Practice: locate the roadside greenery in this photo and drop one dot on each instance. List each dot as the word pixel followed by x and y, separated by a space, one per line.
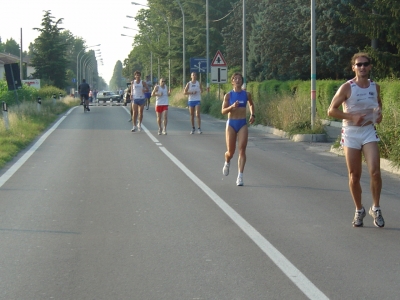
pixel 277 37
pixel 55 54
pixel 281 109
pixel 26 122
pixel 27 93
pixel 286 105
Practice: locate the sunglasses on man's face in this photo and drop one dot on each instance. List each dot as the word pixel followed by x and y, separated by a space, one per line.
pixel 365 64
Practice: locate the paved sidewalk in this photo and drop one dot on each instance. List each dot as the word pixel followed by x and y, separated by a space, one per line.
pixel 333 131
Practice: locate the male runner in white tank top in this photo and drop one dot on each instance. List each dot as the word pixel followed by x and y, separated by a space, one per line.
pixel 362 106
pixel 161 92
pixel 138 88
pixel 194 89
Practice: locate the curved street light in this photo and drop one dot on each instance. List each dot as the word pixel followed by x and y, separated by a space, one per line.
pixel 169 47
pixel 183 43
pixel 80 62
pixel 151 52
pixel 77 66
pixel 86 61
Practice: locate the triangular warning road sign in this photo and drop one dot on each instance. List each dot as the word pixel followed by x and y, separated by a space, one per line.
pixel 219 60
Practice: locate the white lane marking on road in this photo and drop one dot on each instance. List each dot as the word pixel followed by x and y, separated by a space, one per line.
pixel 294 274
pixel 10 172
pixel 145 129
pixel 298 278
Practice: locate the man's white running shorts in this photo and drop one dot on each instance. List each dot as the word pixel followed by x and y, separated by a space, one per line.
pixel 357 136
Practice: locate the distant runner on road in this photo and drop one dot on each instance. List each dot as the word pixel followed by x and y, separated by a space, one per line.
pixel 161 92
pixel 193 89
pixel 138 88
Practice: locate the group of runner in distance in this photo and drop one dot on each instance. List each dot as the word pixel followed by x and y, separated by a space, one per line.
pixel 361 111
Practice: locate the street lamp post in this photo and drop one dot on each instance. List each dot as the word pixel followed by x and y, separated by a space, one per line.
pixel 151 52
pixel 77 66
pixel 169 46
pixel 80 62
pixel 244 45
pixel 183 43
pixel 313 65
pixel 86 61
pixel 208 47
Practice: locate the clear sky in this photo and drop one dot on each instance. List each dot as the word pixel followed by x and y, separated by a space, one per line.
pixel 97 22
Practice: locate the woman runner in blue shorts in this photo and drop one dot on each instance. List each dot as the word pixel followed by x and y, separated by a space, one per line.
pixel 234 104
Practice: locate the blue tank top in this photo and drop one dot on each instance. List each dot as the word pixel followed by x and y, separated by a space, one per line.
pixel 240 96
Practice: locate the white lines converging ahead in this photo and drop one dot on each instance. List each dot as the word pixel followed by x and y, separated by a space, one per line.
pixel 298 278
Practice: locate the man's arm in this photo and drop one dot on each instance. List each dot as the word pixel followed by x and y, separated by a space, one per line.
pixel 378 90
pixel 186 90
pixel 155 91
pixel 145 86
pixel 251 107
pixel 341 95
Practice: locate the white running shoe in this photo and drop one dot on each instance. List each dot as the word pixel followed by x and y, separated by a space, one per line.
pixel 159 131
pixel 239 181
pixel 164 132
pixel 225 169
pixel 378 218
pixel 139 128
pixel 199 131
pixel 133 129
pixel 192 131
pixel 358 218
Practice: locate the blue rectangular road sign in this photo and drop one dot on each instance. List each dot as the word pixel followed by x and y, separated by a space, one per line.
pixel 198 64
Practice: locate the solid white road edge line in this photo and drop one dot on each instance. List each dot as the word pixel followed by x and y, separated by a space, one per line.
pixel 294 274
pixel 10 172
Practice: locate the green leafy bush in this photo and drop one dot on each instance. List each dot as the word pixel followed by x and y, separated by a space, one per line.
pixel 26 93
pixel 26 122
pixel 47 92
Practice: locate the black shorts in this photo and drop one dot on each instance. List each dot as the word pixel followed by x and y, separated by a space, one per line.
pixel 85 96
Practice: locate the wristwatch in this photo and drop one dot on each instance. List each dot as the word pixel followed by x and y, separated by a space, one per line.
pixel 254 116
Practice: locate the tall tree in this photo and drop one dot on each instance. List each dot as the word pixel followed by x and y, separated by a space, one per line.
pixel 133 63
pixel 280 40
pixel 12 47
pixel 49 52
pixel 334 47
pixel 379 21
pixel 117 81
pixel 153 24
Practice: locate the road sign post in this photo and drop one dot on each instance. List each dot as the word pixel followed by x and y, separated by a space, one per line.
pixel 219 70
pixel 198 64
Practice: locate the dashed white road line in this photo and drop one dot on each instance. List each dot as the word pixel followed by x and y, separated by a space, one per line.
pixel 294 274
pixel 298 278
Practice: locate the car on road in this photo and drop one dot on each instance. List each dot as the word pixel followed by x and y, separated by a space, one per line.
pixel 108 96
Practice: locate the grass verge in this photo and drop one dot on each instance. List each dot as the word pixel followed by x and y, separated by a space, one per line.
pixel 26 122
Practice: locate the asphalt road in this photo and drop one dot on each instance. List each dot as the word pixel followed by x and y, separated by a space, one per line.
pixel 93 211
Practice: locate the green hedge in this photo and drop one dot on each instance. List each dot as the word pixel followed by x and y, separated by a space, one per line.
pixel 27 93
pixel 268 97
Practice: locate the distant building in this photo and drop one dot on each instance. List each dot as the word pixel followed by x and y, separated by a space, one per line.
pixel 6 58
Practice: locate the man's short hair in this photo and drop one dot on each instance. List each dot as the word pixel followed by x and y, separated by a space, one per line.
pixel 236 74
pixel 358 55
pixel 137 73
